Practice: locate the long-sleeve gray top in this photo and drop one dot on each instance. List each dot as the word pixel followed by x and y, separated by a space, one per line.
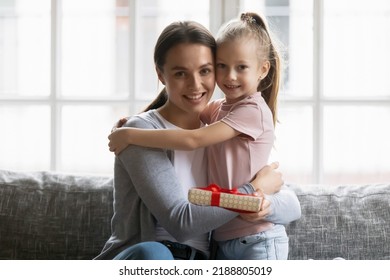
pixel 146 190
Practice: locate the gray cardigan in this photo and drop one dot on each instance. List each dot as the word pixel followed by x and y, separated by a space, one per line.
pixel 146 190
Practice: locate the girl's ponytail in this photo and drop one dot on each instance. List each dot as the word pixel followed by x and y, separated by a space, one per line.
pixel 268 86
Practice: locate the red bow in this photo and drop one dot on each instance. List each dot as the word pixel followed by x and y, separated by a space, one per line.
pixel 216 193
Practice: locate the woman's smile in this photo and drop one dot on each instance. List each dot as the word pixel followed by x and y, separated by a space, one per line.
pixel 195 98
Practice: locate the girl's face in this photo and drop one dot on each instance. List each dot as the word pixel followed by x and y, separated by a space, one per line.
pixel 238 68
pixel 189 77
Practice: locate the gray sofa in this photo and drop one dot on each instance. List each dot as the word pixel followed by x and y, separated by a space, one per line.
pixel 46 215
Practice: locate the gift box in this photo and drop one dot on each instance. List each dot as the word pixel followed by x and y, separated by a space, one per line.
pixel 214 195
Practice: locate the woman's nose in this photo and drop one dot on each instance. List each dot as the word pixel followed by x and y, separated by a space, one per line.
pixel 195 83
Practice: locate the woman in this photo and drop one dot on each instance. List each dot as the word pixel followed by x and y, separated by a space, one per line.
pixel 150 202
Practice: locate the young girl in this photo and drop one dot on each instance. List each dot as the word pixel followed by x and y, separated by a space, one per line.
pixel 240 134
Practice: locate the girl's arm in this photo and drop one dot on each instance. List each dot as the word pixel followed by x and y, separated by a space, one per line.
pixel 174 139
pixel 119 123
pixel 150 174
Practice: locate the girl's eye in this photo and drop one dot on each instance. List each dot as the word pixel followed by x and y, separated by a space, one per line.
pixel 221 65
pixel 242 67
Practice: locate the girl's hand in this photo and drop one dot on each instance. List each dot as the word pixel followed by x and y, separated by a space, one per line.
pixel 119 124
pixel 254 217
pixel 268 180
pixel 118 140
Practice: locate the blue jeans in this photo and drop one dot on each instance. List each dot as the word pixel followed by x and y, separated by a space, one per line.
pixel 145 251
pixel 268 245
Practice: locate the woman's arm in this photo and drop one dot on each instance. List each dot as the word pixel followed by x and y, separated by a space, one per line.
pixel 285 207
pixel 174 139
pixel 147 177
pixel 155 183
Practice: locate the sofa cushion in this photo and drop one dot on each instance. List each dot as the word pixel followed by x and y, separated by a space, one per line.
pixel 351 222
pixel 45 215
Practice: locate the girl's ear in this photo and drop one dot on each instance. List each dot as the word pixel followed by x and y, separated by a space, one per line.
pixel 160 76
pixel 264 69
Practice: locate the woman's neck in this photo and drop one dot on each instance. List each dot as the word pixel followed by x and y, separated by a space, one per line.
pixel 180 118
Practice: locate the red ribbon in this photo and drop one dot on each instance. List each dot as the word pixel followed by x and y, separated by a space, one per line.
pixel 216 193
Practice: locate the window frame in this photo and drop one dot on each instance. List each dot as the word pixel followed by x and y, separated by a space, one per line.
pixel 220 11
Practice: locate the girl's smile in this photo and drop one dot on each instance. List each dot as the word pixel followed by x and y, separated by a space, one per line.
pixel 238 68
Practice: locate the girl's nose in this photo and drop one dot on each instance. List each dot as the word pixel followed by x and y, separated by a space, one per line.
pixel 232 75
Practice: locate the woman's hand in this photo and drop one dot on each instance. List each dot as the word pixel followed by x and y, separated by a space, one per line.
pixel 119 124
pixel 118 140
pixel 254 217
pixel 268 180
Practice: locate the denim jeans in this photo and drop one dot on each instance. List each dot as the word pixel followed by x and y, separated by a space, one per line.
pixel 268 245
pixel 145 251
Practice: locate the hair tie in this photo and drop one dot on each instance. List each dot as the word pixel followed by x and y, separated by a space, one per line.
pixel 249 19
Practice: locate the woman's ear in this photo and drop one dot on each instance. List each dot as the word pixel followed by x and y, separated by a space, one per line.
pixel 160 75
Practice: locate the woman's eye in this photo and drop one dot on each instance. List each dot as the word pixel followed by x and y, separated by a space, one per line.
pixel 220 65
pixel 205 71
pixel 179 74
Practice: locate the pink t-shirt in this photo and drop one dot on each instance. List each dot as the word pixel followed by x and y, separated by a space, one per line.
pixel 236 161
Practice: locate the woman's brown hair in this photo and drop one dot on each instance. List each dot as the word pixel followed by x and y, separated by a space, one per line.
pixel 174 34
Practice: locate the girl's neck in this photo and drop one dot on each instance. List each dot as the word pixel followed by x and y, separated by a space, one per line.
pixel 179 118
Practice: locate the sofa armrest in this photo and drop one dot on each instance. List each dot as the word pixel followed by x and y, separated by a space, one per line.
pixel 47 215
pixel 351 222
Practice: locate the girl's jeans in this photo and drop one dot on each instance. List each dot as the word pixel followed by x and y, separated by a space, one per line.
pixel 268 245
pixel 145 251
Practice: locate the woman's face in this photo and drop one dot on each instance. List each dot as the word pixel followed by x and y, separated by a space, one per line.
pixel 189 78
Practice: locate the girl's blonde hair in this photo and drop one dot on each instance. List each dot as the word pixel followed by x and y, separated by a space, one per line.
pixel 253 25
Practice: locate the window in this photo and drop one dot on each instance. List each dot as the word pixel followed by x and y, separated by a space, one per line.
pixel 62 74
pixel 335 103
pixel 69 69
